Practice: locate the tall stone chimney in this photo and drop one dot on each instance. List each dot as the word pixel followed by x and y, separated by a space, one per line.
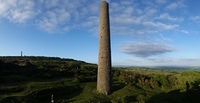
pixel 104 82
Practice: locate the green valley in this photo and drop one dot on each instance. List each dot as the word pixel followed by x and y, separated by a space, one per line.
pixel 32 79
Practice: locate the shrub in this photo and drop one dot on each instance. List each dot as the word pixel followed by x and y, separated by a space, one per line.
pixel 140 98
pixel 161 79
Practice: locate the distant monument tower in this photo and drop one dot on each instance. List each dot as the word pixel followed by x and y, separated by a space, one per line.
pixel 104 82
pixel 21 54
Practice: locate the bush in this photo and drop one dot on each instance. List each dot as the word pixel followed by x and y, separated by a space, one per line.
pixel 140 98
pixel 190 73
pixel 161 79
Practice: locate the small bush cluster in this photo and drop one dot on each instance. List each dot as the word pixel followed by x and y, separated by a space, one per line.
pixel 146 81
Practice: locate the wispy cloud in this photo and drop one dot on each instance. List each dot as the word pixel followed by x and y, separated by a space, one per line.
pixel 146 49
pixel 184 31
pixel 175 61
pixel 134 20
pixel 166 16
pixel 161 1
pixel 160 61
pixel 160 25
pixel 17 11
pixel 195 18
pixel 126 17
pixel 175 5
pixel 64 15
pixel 50 15
pixel 54 20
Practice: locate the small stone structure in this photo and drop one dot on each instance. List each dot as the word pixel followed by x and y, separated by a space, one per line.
pixel 104 82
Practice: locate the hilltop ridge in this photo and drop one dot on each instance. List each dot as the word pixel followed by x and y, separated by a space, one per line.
pixel 35 79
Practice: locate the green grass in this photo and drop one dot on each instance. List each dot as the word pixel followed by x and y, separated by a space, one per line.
pixel 66 91
pixel 73 81
pixel 40 91
pixel 31 90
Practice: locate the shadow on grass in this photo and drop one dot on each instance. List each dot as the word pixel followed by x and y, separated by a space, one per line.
pixel 118 86
pixel 44 96
pixel 176 96
pixel 60 94
pixel 189 96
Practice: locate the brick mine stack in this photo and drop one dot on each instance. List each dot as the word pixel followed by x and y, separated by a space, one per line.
pixel 104 82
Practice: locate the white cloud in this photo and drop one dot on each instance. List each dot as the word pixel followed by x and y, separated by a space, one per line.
pixel 175 5
pixel 159 61
pixel 121 19
pixel 167 26
pixel 132 19
pixel 92 24
pixel 150 11
pixel 184 31
pixel 174 62
pixel 49 15
pixel 172 6
pixel 54 20
pixel 168 17
pixel 126 17
pixel 188 62
pixel 69 15
pixel 50 3
pixel 160 25
pixel 161 1
pixel 126 2
pixel 17 11
pixel 145 49
pixel 119 30
pixel 195 18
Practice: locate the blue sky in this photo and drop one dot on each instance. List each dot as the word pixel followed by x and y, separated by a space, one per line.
pixel 143 32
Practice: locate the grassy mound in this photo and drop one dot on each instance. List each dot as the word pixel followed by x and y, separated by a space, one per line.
pixel 36 79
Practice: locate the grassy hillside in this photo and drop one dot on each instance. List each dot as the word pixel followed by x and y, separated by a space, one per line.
pixel 36 79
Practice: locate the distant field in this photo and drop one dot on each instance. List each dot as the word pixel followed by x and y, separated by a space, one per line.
pixel 36 79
